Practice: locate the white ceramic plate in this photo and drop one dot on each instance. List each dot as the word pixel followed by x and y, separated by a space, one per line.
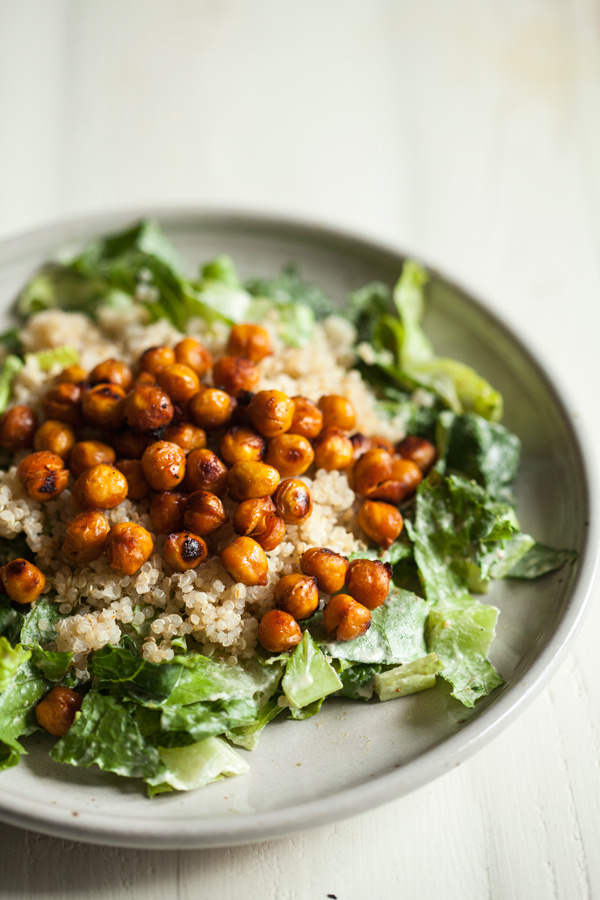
pixel 352 756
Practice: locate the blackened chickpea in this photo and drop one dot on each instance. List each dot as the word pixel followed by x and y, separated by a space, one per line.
pixel 368 581
pixel 383 443
pixel 148 408
pixel 18 426
pixel 185 550
pixel 379 476
pixel 167 512
pixel 23 582
pixel 242 444
pixel 43 475
pixel 63 402
pixel 333 450
pixel 156 358
pixel 56 712
pixel 307 420
pixel 297 595
pixel 204 513
pixel 246 561
pixel 418 450
pixel 128 546
pixel 179 382
pixel 205 472
pixel 327 567
pixel 164 465
pixel 347 618
pixel 337 412
pixel 381 522
pixel 112 371
pixel 101 487
pixel 290 454
pixel 55 436
pixel 130 444
pixel 278 631
pixel 71 375
pixel 187 436
pixel 87 454
pixel 192 353
pixel 252 479
pixel 86 535
pixel 137 483
pixel 250 341
pixel 293 501
pixel 235 375
pixel 102 405
pixel 258 519
pixel 212 408
pixel 271 412
pixel 360 445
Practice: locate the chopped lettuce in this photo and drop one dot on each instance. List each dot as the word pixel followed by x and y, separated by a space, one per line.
pixel 17 710
pixel 288 289
pixel 358 681
pixel 10 660
pixel 58 356
pixel 202 720
pixel 247 736
pixel 10 620
pixel 39 625
pixel 10 367
pixel 309 677
pixel 418 675
pixel 143 680
pixel 540 560
pixel 53 664
pixel 194 766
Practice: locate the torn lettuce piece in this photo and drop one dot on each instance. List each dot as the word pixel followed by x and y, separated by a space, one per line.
pixel 53 664
pixel 419 675
pixel 195 766
pixel 10 660
pixel 461 638
pixel 10 367
pixel 308 676
pixel 365 307
pixel 484 451
pixel 540 560
pixel 143 680
pixel 10 620
pixel 202 720
pixel 56 285
pixel 396 634
pixel 288 289
pixel 62 356
pixel 247 736
pixel 204 679
pixel 358 681
pixel 17 710
pixel 39 625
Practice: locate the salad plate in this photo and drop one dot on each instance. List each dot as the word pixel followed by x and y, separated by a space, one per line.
pixel 352 756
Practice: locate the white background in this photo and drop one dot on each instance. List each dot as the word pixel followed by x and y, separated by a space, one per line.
pixel 467 132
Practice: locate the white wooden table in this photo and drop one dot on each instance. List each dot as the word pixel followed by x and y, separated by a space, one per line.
pixel 468 132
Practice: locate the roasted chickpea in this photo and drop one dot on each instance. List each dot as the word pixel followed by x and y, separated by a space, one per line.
pixel 128 546
pixel 156 358
pixel 180 382
pixel 164 465
pixel 102 405
pixel 43 476
pixel 148 408
pixel 71 375
pixel 192 353
pixel 297 595
pixel 184 551
pixel 258 519
pixel 235 375
pixel 18 426
pixel 86 537
pixel 337 412
pixel 271 535
pixel 381 522
pixel 252 479
pixel 250 341
pixel 293 501
pixel 346 617
pixel 241 415
pixel 63 402
pixel 278 631
pixel 246 561
pixel 166 512
pixel 383 443
pixel 56 712
pixel 212 408
pixel 112 371
pixel 333 450
pixel 137 483
pixel 271 412
pixel 327 567
pixel 23 582
pixel 145 378
pixel 87 454
pixel 379 476
pixel 360 445
pixel 407 474
pixel 101 487
pixel 130 444
pixel 205 472
pixel 419 451
pixel 290 454
pixel 185 435
pixel 368 581
pixel 204 513
pixel 307 420
pixel 55 436
pixel 241 444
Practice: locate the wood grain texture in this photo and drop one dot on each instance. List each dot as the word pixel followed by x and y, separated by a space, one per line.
pixel 467 132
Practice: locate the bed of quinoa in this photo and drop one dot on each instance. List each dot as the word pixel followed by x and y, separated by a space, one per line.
pixel 222 616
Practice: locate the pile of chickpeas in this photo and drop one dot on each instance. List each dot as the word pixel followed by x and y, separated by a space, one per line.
pixel 143 433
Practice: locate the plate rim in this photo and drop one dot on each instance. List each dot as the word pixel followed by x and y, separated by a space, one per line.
pixel 376 791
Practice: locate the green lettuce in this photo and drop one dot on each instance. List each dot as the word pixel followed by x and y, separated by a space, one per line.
pixel 53 664
pixel 540 560
pixel 194 766
pixel 309 677
pixel 10 660
pixel 39 625
pixel 202 720
pixel 18 700
pixel 143 680
pixel 247 736
pixel 62 356
pixel 358 681
pixel 10 367
pixel 419 675
pixel 10 620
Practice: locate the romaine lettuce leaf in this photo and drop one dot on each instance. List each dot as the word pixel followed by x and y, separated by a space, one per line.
pixel 17 710
pixel 10 660
pixel 53 664
pixel 39 625
pixel 207 679
pixel 194 766
pixel 10 367
pixel 247 736
pixel 62 356
pixel 419 675
pixel 288 289
pixel 10 620
pixel 309 677
pixel 144 681
pixel 358 681
pixel 202 720
pixel 540 560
